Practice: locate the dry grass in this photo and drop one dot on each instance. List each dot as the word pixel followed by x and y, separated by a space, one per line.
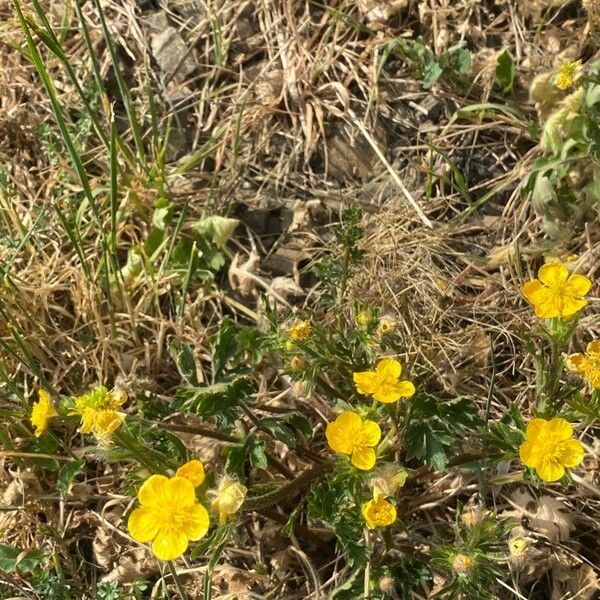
pixel 264 98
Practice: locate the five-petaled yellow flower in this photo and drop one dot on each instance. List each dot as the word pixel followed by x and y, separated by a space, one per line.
pixel 587 365
pixel 568 75
pixel 549 448
pixel 41 412
pixel 384 382
pixel 349 434
pixel 378 512
pixel 230 496
pixel 300 331
pixel 99 414
pixel 192 470
pixel 169 516
pixel 556 293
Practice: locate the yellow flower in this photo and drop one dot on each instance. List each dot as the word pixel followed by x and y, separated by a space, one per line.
pixel 549 448
pixel 363 318
pixel 169 516
pixel 383 383
pixel 300 331
pixel 555 293
pixel 230 496
pixel 518 546
pixel 386 324
pixel 106 422
pixel 41 412
pixel 98 413
pixel 568 75
pixel 587 365
pixel 378 512
pixel 192 470
pixel 349 434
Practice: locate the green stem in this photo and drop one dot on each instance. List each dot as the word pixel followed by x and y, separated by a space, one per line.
pixel 147 457
pixel 178 583
pixel 285 491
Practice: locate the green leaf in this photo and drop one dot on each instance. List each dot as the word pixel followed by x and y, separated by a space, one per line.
pixel 301 423
pixel 209 400
pixel 460 60
pixel 8 558
pixel 233 341
pixel 68 473
pixel 183 355
pixel 280 431
pixel 434 427
pixel 218 230
pixel 506 71
pixel 30 561
pixel 236 459
pixel 257 452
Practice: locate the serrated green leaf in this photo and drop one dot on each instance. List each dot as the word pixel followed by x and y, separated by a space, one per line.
pixel 280 431
pixel 301 423
pixel 209 400
pixel 183 355
pixel 257 452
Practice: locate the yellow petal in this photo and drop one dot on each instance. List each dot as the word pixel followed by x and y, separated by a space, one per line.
pixel 576 363
pixel 45 399
pixel 593 350
pixel 370 433
pixel 534 291
pixel 170 543
pixel 143 524
pixel 389 368
pixel 363 458
pixel 553 275
pixel 571 453
pixel 393 392
pixel 550 470
pixel 559 429
pixel 154 492
pixel 578 285
pixel 341 433
pixel 535 428
pixel 192 470
pixel 366 382
pixel 531 454
pixel 571 306
pixel 195 522
pixel 116 398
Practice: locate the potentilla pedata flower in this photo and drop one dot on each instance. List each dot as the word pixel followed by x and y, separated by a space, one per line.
pixel 41 412
pixel 556 293
pixel 549 447
pixel 384 382
pixel 587 365
pixel 99 414
pixel 568 75
pixel 350 434
pixel 300 331
pixel 169 516
pixel 230 497
pixel 378 512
